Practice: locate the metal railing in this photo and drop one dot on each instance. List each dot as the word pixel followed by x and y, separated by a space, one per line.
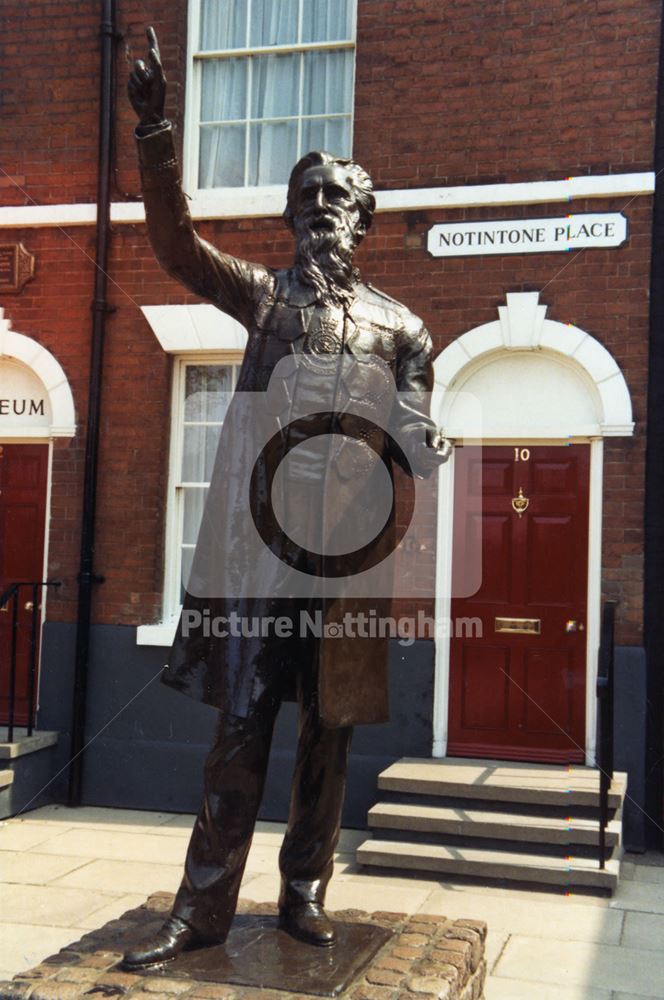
pixel 604 756
pixel 11 596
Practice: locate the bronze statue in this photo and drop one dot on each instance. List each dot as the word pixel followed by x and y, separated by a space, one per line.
pixel 320 312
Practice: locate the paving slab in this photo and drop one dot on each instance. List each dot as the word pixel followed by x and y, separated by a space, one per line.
pixel 112 910
pixel 654 859
pixel 263 859
pixel 581 964
pixel 648 873
pixel 16 836
pixel 32 868
pixel 343 894
pixel 561 919
pixel 644 930
pixel 122 877
pixel 23 945
pixel 495 943
pixel 118 845
pixel 99 817
pixel 50 905
pixel 577 896
pixel 645 896
pixel 359 876
pixel 637 996
pixel 512 989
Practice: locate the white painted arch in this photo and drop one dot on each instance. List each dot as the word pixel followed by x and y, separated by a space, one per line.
pixel 509 360
pixel 35 361
pixel 519 378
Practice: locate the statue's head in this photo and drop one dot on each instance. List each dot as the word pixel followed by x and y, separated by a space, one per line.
pixel 329 209
pixel 341 183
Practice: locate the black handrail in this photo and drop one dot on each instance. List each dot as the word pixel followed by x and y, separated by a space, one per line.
pixel 605 698
pixel 12 594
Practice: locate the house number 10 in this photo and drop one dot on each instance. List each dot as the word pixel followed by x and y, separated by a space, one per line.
pixel 522 454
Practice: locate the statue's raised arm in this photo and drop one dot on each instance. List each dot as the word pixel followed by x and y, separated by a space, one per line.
pixel 227 282
pixel 147 86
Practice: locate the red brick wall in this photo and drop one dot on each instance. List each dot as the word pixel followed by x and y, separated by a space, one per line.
pixel 602 291
pixel 466 92
pixel 449 92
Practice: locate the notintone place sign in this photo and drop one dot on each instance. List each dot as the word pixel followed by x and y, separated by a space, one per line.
pixel 570 232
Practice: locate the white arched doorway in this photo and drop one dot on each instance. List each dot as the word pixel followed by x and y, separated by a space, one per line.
pixel 515 381
pixel 36 407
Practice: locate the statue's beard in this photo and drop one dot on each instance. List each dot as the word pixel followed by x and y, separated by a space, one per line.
pixel 324 260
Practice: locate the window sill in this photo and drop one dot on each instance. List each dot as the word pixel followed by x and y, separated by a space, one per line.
pixel 162 634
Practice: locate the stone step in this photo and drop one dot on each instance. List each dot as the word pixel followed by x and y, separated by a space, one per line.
pixel 501 781
pixel 6 778
pixel 474 822
pixel 23 744
pixel 490 864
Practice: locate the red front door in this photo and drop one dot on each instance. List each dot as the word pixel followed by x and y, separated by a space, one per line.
pixel 518 691
pixel 23 472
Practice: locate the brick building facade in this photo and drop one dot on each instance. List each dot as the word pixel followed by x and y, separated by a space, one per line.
pixel 462 112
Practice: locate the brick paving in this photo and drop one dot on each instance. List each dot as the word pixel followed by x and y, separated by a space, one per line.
pixel 65 872
pixel 427 957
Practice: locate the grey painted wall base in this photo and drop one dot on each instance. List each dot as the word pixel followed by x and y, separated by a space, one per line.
pixel 147 743
pixel 630 739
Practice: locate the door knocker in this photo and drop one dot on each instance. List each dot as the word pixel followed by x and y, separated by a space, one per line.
pixel 520 503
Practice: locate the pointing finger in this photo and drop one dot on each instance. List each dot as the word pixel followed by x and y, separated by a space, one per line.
pixel 153 44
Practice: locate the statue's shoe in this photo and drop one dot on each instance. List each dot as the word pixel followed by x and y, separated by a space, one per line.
pixel 172 938
pixel 308 922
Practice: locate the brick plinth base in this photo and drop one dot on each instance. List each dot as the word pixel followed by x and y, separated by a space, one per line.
pixel 427 958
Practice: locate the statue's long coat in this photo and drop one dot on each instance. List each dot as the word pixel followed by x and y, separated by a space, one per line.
pixel 278 312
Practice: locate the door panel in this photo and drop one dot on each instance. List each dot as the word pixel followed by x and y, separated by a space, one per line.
pixel 520 695
pixel 490 712
pixel 551 543
pixel 547 676
pixel 23 473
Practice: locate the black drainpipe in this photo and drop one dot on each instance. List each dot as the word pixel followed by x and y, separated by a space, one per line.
pixel 86 576
pixel 654 506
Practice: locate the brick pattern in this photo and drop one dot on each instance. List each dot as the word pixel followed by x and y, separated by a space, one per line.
pixel 602 291
pixel 464 92
pixel 428 958
pixel 471 92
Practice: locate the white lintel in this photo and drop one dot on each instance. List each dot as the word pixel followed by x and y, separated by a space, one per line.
pixel 267 202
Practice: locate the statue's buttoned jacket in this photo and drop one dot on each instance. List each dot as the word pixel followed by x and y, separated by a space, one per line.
pixel 372 335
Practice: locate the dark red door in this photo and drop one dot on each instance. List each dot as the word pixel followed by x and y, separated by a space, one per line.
pixel 518 691
pixel 23 473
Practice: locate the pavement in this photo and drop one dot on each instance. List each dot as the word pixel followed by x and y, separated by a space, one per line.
pixel 66 871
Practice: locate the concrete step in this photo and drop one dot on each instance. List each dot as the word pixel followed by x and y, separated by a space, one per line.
pixel 6 778
pixel 490 864
pixel 31 762
pixel 501 781
pixel 23 744
pixel 500 825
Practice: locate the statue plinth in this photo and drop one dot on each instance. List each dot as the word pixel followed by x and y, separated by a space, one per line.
pixel 377 956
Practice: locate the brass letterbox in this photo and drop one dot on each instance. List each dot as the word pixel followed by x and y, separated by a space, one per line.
pixel 523 626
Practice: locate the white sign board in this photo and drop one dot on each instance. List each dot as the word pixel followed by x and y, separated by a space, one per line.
pixel 570 232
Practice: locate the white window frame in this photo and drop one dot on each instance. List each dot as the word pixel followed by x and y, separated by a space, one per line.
pixel 174 508
pixel 193 97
